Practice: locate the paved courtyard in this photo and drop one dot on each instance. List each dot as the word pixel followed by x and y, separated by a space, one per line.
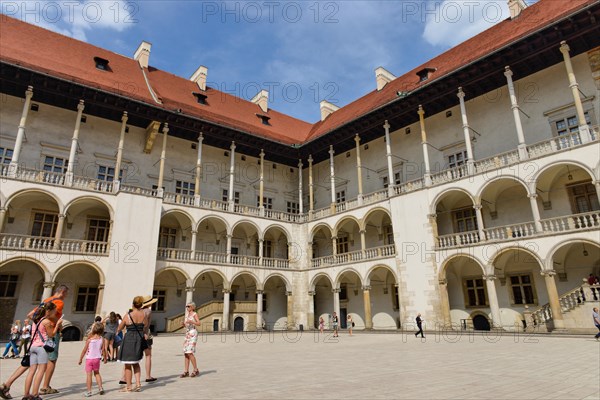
pixel 379 365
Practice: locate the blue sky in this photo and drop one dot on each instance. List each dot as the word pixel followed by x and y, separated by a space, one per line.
pixel 301 51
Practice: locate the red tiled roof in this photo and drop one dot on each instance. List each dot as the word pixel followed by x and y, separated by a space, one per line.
pixel 70 59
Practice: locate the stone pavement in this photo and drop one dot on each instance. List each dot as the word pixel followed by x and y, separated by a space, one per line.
pixel 303 365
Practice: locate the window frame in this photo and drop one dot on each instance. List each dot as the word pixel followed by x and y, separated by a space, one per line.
pixel 90 219
pixel 456 220
pixel 33 222
pixel 511 291
pixel 158 294
pixel 587 195
pixel 172 234
pixel 474 288
pixel 4 158
pixel 8 283
pixel 180 187
pixel 86 301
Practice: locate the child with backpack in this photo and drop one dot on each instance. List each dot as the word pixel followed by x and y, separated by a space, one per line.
pixel 94 351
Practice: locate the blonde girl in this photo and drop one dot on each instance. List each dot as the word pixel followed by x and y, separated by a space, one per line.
pixel 94 351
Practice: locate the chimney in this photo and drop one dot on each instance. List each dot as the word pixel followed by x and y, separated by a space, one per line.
pixel 142 54
pixel 262 99
pixel 327 109
pixel 200 77
pixel 515 7
pixel 383 77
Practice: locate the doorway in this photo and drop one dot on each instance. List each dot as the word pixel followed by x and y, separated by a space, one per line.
pixel 481 323
pixel 238 324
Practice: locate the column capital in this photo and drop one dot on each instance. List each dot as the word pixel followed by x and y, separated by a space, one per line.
pixel 124 118
pixel 189 288
pixel 334 238
pixel 310 159
pixel 229 236
pixel 61 216
pixel 194 231
pixel 262 154
pixel 336 290
pixel 312 292
pixel 564 47
pixel 300 165
pixel 357 139
pixel 260 291
pixel 432 216
pixel 490 277
pixel 288 293
pixel 386 125
pixel 546 273
pixel 366 288
pixel 81 105
pixel 200 137
pixel 507 72
pixel 460 94
pixel 442 282
pixel 166 128
pixel 331 151
pixel 226 291
pixel 49 285
pixel 261 240
pixel 232 147
pixel 29 92
pixel 421 112
pixel 477 207
pixel 532 195
pixel 101 286
pixel 362 231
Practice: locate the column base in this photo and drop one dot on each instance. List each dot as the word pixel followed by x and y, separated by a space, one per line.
pixel 523 154
pixel 584 134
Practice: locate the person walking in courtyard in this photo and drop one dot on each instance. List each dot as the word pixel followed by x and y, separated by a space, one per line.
pixel 110 330
pixel 335 322
pixel 131 351
pixel 58 299
pixel 25 336
pixel 191 337
pixel 419 325
pixel 596 322
pixel 321 325
pixel 13 339
pixel 94 351
pixel 350 324
pixel 147 308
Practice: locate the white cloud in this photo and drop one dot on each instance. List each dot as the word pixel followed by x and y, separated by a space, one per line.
pixel 451 22
pixel 73 18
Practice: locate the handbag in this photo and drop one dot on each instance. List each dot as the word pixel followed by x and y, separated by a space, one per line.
pixel 353 324
pixel 49 343
pixel 26 360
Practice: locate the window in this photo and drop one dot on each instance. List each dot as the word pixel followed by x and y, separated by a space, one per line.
pixel 396 300
pixel 267 202
pixel 465 220
pixel 457 159
pixel 522 289
pixel 267 249
pixel 55 164
pixel 108 173
pixel 475 293
pixel 183 187
pixel 236 196
pixel 98 230
pixel 315 250
pixel 5 155
pixel 8 285
pixel 583 197
pixel 293 207
pixel 44 224
pixel 568 125
pixel 342 245
pixel 388 234
pixel 86 299
pixel 101 63
pixel 344 292
pixel 397 180
pixel 161 296
pixel 200 97
pixel 167 237
pixel 340 196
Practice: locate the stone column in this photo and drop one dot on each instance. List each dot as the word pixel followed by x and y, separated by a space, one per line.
pixel 332 178
pixel 311 310
pixel 466 132
pixel 231 197
pixel 198 171
pixel 120 147
pixel 311 193
pixel 229 248
pixel 334 245
pixel 225 322
pixel 388 154
pixel 427 175
pixel 536 212
pixel 367 301
pixel 597 184
pixel 290 310
pixel 21 132
pixel 48 286
pixel 99 300
pixel 336 302
pixel 163 156
pixel 261 187
pixel 2 216
pixel 359 169
pixel 193 244
pixel 300 193
pixel 74 141
pixel 445 302
pixel 189 294
pixel 259 309
pixel 59 229
pixel 260 251
pixel 584 129
pixel 480 227
pixel 522 147
pixel 557 317
pixel 493 299
pixel 363 242
pixel 399 306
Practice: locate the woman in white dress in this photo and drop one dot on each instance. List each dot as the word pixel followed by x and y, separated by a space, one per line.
pixel 191 337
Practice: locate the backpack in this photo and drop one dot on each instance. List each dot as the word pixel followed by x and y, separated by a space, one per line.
pixel 39 312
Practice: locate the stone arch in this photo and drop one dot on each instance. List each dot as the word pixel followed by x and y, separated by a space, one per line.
pixel 343 221
pixel 19 193
pixel 92 198
pixel 288 284
pixel 575 163
pixel 442 194
pixel 363 221
pixel 529 252
pixel 490 182
pixel 45 271
pixel 550 262
pixel 175 212
pixel 285 231
pixel 317 227
pixel 241 273
pixel 101 276
pixel 217 217
pixel 318 276
pixel 226 282
pixel 245 221
pixel 172 268
pixel 447 262
pixel 345 270
pixel 374 267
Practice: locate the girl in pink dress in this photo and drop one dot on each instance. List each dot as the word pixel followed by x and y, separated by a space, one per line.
pixel 94 351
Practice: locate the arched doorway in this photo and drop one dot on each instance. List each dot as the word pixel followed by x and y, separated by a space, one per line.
pixel 169 289
pixel 275 303
pixel 481 323
pixel 351 299
pixel 238 324
pixel 385 303
pixel 323 299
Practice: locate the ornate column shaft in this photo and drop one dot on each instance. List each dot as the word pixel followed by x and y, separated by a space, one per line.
pixel 261 184
pixel 522 148
pixel 120 147
pixel 466 131
pixel 557 316
pixel 300 193
pixel 189 294
pixel 225 321
pixel 445 301
pixel 336 301
pixel 359 169
pixel 21 130
pixel 261 250
pixel 332 178
pixel 311 193
pixel 229 248
pixel 290 310
pixel 198 170
pixel 584 129
pixel 388 155
pixel 163 157
pixel 480 227
pixel 367 303
pixel 363 241
pixel 231 197
pixel 493 300
pixel 59 229
pixel 311 310
pixel 2 217
pixel 193 244
pixel 74 141
pixel 334 245
pixel 259 309
pixel 427 175
pixel 535 211
pixel 48 286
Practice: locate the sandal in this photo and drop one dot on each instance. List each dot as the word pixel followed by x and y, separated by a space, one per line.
pixel 4 392
pixel 194 374
pixel 184 375
pixel 125 390
pixel 138 388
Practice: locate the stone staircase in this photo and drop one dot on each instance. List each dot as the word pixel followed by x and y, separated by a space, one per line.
pixel 576 306
pixel 207 312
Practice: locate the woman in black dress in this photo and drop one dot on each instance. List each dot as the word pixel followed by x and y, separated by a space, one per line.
pixel 130 352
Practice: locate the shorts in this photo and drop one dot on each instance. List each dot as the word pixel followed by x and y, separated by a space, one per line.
pixel 37 355
pixel 92 365
pixel 109 336
pixel 54 355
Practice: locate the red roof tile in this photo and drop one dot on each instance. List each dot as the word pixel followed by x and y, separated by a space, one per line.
pixel 67 58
